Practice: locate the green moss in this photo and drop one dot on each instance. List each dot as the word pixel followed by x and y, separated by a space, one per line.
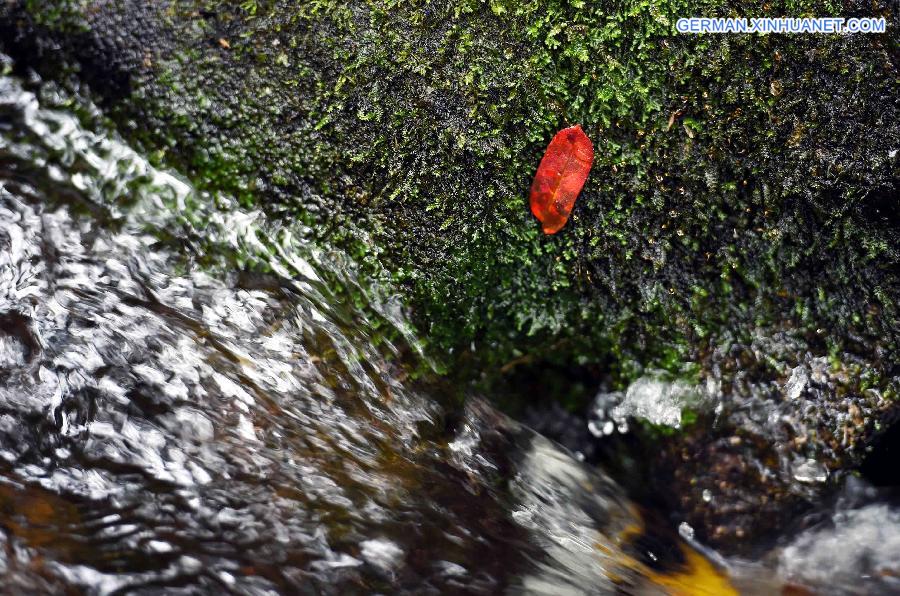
pixel 65 15
pixel 739 180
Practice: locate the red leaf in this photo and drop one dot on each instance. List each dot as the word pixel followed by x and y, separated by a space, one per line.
pixel 560 177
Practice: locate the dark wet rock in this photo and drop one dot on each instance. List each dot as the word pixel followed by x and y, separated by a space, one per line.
pixel 164 427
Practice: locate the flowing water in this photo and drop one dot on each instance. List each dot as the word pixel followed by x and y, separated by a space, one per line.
pixel 172 423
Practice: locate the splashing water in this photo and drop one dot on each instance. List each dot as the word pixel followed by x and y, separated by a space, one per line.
pixel 191 399
pixel 167 424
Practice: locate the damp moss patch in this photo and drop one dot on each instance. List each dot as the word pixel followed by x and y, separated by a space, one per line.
pixel 739 181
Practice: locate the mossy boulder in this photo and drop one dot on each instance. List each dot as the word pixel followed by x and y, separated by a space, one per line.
pixel 743 187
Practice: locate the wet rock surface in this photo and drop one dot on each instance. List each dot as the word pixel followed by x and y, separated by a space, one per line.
pixel 739 179
pixel 737 453
pixel 172 427
pixel 738 232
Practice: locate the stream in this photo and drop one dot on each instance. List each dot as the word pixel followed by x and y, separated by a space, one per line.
pixel 195 399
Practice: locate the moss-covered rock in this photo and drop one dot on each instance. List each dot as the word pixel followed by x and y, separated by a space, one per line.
pixel 741 183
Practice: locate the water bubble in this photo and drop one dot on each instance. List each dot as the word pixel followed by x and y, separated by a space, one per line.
pixel 656 400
